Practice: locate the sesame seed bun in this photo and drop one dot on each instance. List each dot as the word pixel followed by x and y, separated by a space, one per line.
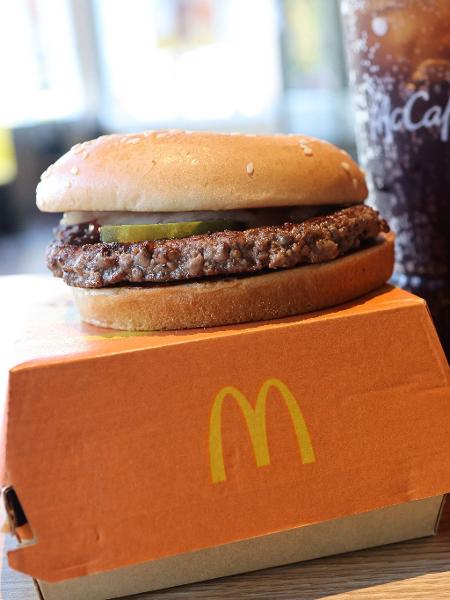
pixel 173 171
pixel 237 300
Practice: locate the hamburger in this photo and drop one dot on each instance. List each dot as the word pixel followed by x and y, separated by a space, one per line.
pixel 178 229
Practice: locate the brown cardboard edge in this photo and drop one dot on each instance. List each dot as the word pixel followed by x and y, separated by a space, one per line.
pixel 439 515
pixel 414 519
pixel 37 589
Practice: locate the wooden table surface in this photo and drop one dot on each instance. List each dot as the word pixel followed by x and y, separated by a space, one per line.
pixel 413 570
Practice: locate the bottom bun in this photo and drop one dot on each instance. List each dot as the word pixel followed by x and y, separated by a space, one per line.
pixel 239 299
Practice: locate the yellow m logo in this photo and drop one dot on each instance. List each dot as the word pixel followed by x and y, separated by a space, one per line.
pixel 255 419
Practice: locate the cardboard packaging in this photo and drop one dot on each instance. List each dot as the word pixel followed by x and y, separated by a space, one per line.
pixel 141 461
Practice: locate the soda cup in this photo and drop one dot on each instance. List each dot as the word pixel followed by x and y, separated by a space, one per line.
pixel 399 67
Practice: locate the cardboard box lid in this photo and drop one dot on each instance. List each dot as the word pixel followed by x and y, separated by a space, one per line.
pixel 124 449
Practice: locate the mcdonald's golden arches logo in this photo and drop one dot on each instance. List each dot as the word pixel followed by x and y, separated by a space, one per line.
pixel 255 419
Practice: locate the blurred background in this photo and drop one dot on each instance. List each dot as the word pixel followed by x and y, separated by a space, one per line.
pixel 71 70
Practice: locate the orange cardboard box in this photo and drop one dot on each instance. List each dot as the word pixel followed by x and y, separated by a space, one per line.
pixel 154 459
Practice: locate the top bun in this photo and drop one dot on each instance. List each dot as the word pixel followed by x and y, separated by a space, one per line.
pixel 176 171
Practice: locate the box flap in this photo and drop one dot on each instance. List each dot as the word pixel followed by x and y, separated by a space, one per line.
pixel 170 443
pixel 384 526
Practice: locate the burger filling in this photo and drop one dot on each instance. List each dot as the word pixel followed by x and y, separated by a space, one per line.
pixel 95 250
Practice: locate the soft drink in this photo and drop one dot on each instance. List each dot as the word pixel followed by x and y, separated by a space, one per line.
pixel 399 66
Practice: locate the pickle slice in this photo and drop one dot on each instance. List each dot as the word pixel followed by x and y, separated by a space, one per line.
pixel 161 231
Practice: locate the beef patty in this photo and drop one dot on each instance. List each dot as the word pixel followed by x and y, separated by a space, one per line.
pixel 78 256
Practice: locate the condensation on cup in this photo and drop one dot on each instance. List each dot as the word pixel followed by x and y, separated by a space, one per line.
pixel 399 67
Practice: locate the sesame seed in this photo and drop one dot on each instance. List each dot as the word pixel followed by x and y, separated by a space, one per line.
pixel 84 155
pixel 355 183
pixel 67 184
pixel 346 167
pixel 123 140
pixel 307 151
pixel 195 161
pixel 162 134
pixel 250 169
pixel 76 149
pixel 147 133
pixel 74 170
pixel 133 140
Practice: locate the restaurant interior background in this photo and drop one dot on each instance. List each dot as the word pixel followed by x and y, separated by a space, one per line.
pixel 74 69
